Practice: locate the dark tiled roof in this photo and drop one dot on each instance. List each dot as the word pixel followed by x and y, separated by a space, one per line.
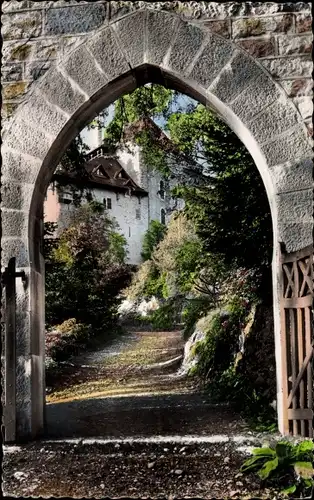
pixel 104 170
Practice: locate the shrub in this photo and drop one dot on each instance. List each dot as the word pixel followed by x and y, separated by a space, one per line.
pixel 287 463
pixel 194 310
pixel 217 351
pixel 66 339
pixel 152 237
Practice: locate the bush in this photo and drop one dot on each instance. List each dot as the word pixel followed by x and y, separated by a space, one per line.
pixel 195 309
pixel 152 237
pixel 66 339
pixel 166 317
pixel 217 351
pixel 85 272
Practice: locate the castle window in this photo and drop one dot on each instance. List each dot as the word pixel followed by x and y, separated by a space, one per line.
pixel 163 216
pixel 138 213
pixel 109 205
pixel 65 198
pixel 161 190
pixel 105 202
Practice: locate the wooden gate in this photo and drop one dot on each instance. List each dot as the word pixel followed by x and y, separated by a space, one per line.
pixel 297 341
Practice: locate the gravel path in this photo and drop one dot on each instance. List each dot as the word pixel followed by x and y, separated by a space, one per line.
pixel 116 430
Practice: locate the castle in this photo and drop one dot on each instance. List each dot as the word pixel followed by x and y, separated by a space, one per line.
pixel 131 192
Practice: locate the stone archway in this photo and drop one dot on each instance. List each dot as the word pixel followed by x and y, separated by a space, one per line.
pixel 145 46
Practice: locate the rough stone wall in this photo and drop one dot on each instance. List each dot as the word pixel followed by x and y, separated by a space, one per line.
pixel 35 34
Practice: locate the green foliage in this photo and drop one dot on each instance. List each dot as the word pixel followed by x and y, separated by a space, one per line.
pixel 188 260
pixel 246 398
pixel 294 463
pixel 50 242
pixel 217 351
pixel 165 317
pixel 86 271
pixel 150 100
pixel 232 215
pixel 152 237
pixel 194 310
pixel 72 337
pixel 73 163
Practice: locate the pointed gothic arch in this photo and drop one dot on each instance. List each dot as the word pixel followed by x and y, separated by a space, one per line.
pixel 141 47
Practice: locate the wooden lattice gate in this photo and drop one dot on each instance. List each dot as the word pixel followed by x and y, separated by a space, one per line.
pixel 297 341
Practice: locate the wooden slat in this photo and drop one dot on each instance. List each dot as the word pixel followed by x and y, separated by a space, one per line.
pixel 300 375
pixel 296 302
pixel 300 254
pixel 309 349
pixel 298 414
pixel 293 364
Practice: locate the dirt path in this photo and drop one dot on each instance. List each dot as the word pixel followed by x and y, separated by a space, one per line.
pixel 128 389
pixel 121 423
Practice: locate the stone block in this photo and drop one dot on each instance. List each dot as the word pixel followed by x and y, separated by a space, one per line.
pixel 20 50
pixel 160 32
pixel 76 19
pixel 23 327
pixel 70 43
pixel 188 40
pixel 292 44
pixel 15 247
pixel 121 9
pixel 36 70
pixel 133 46
pixel 303 22
pixel 297 87
pixel 8 110
pixel 260 93
pixel 222 28
pixel 295 235
pixel 25 137
pixel 16 196
pixel 275 119
pixel 49 118
pixel 14 223
pixel 258 47
pixel 17 51
pixel 305 106
pixel 22 169
pixel 288 67
pixel 11 72
pixel 216 54
pixel 107 53
pixel 296 206
pixel 293 175
pixel 294 144
pixel 60 91
pixel 14 5
pixel 49 48
pixel 81 67
pixel 21 25
pixel 233 79
pixel 242 28
pixel 14 90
